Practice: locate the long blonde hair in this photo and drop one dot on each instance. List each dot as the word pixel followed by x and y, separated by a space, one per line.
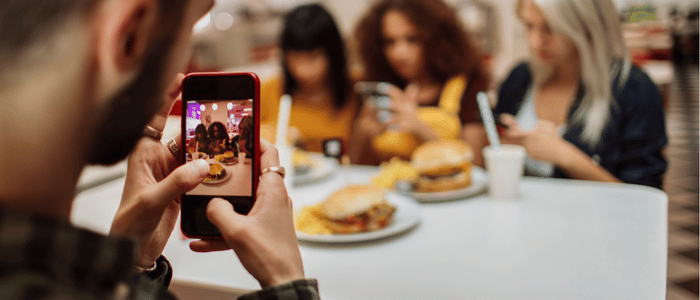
pixel 594 27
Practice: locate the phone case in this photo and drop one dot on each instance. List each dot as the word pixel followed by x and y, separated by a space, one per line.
pixel 256 135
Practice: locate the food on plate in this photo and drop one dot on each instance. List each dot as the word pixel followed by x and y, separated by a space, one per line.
pixel 216 172
pixel 228 157
pixel 308 220
pixel 351 209
pixel 394 171
pixel 302 162
pixel 442 165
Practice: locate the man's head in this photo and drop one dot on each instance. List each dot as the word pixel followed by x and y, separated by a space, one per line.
pixel 133 49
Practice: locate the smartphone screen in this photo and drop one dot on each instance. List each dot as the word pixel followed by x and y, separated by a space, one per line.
pixel 220 125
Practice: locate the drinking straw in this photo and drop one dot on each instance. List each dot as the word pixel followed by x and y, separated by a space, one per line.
pixel 283 120
pixel 286 152
pixel 487 118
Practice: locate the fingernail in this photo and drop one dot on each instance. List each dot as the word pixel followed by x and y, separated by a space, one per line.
pixel 200 167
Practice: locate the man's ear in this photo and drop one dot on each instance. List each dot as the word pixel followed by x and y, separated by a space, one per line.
pixel 126 29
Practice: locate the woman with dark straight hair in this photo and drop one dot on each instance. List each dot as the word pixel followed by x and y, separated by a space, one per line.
pixel 315 75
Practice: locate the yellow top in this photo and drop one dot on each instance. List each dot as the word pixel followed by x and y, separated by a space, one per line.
pixel 443 119
pixel 313 122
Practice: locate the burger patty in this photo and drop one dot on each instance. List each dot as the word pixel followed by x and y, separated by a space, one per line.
pixel 454 173
pixel 375 218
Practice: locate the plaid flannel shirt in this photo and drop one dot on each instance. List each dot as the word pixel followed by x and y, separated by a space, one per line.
pixel 44 258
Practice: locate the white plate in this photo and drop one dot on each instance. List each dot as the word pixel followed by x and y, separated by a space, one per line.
pixel 406 216
pixel 220 180
pixel 322 168
pixel 235 161
pixel 479 184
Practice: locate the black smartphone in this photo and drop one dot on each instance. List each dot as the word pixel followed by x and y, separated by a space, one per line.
pixel 220 124
pixel 378 94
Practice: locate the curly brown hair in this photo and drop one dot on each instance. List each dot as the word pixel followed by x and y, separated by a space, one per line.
pixel 448 48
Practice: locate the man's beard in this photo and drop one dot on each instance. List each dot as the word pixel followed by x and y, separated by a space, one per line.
pixel 132 108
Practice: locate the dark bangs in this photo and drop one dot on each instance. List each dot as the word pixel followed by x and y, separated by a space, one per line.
pixel 310 27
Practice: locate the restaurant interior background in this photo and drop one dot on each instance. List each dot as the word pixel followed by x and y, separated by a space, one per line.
pixel 662 36
pixel 243 35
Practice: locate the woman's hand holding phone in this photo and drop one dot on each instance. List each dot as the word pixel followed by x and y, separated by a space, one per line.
pixel 367 122
pixel 405 109
pixel 405 113
pixel 264 240
pixel 542 142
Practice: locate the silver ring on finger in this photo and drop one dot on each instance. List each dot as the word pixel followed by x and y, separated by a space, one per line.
pixel 172 146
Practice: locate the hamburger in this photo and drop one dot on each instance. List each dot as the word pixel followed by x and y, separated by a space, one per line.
pixel 228 157
pixel 216 172
pixel 442 165
pixel 355 208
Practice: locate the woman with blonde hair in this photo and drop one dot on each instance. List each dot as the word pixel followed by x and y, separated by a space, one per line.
pixel 579 107
pixel 434 69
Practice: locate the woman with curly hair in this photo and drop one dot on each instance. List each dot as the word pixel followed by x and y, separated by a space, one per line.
pixel 435 70
pixel 218 136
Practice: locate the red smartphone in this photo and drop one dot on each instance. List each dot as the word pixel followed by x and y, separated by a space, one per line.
pixel 221 124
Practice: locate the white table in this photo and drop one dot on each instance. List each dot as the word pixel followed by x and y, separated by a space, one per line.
pixel 562 240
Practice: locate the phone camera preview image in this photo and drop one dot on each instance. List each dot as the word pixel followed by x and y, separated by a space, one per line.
pixel 222 133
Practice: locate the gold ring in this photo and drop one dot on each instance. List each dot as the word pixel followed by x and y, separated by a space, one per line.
pixel 152 133
pixel 279 170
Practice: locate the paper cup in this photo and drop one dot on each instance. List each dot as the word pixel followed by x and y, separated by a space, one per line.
pixel 505 170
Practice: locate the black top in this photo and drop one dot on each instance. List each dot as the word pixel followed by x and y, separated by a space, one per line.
pixel 631 145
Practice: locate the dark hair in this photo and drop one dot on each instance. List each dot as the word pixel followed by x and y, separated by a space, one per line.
pixel 26 23
pixel 310 27
pixel 222 131
pixel 200 129
pixel 449 50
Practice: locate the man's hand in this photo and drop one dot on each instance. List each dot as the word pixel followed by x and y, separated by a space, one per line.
pixel 149 210
pixel 264 240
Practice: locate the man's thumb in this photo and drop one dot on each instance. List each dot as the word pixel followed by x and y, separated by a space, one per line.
pixel 220 213
pixel 182 180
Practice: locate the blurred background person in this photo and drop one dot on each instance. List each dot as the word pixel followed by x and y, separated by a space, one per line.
pixel 245 136
pixel 315 75
pixel 200 142
pixel 218 136
pixel 423 50
pixel 578 106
